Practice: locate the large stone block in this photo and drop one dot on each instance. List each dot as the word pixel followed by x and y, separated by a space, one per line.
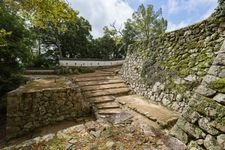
pixel 179 133
pixel 220 98
pixel 204 124
pixel 190 129
pixel 211 143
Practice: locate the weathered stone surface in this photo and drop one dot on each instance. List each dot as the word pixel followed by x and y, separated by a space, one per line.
pixel 214 70
pixel 203 90
pixel 193 145
pixel 219 60
pixel 221 140
pixel 220 98
pixel 211 143
pixel 110 144
pixel 219 124
pixel 121 118
pixel 190 128
pixel 191 115
pixel 30 108
pixel 209 78
pixel 191 78
pixel 179 133
pixel 222 73
pixel 205 125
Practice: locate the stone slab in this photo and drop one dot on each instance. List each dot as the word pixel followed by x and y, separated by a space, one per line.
pixel 155 112
pixel 117 91
pixel 104 86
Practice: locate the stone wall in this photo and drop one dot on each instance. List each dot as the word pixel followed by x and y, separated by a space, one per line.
pixel 168 69
pixel 35 105
pixel 185 70
pixel 202 124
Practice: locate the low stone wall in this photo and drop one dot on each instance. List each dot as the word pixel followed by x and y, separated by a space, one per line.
pixel 169 68
pixel 36 105
pixel 202 124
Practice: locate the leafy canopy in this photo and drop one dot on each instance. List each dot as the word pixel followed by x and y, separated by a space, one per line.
pixel 144 24
pixel 16 49
pixel 40 12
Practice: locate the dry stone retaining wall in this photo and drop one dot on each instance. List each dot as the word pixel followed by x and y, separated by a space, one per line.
pixel 185 70
pixel 202 124
pixel 27 110
pixel 168 69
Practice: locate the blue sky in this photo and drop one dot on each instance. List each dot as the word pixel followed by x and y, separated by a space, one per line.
pixel 179 13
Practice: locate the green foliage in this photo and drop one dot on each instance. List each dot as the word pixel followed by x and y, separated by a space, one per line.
pixel 145 23
pixel 16 53
pixel 3 34
pixel 218 85
pixel 43 62
pixel 104 48
pixel 72 43
pixel 75 42
pixel 41 12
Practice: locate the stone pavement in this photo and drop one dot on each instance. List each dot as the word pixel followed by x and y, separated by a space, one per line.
pixel 120 131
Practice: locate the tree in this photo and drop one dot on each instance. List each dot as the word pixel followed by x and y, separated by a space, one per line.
pixel 145 23
pixel 41 13
pixel 103 48
pixel 16 51
pixel 117 36
pixel 3 34
pixel 76 40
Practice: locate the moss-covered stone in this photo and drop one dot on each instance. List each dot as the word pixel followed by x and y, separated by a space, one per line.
pixel 218 85
pixel 209 107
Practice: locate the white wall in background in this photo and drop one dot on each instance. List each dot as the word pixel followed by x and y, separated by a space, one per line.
pixel 86 63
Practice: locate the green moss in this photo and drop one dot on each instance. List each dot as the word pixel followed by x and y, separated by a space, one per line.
pixel 218 85
pixel 204 105
pixel 220 121
pixel 184 71
pixel 54 144
pixel 191 45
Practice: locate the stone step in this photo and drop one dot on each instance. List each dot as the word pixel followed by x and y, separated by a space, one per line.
pixel 102 99
pixel 91 75
pixel 97 78
pixel 117 91
pixel 108 105
pixel 109 111
pixel 163 116
pixel 105 86
pixel 103 82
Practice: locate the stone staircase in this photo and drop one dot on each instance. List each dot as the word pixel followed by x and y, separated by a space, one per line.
pixel 109 95
pixel 101 89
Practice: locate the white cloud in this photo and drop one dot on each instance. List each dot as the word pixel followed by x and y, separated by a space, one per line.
pixel 173 26
pixel 102 13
